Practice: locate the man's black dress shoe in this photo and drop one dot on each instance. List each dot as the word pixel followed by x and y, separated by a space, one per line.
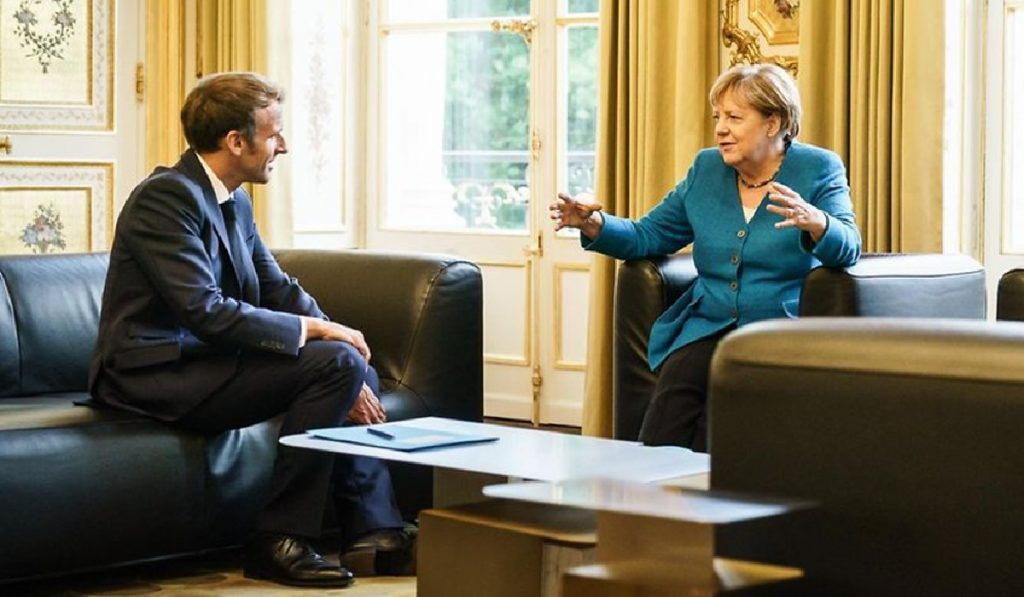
pixel 384 552
pixel 291 561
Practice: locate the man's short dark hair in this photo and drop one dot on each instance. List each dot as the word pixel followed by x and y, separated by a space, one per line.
pixel 225 102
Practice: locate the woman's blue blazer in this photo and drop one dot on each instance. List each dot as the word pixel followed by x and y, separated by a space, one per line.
pixel 747 271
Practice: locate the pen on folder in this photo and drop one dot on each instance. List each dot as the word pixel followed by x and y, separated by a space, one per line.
pixel 379 433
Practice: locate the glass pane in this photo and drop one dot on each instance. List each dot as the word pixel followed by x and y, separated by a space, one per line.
pixel 581 109
pixel 457 119
pixel 577 6
pixel 1014 130
pixel 437 10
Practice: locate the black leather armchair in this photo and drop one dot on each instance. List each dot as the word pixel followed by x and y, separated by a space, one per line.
pixel 86 488
pixel 905 432
pixel 879 285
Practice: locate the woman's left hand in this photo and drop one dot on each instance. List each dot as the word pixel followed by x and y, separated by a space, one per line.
pixel 796 212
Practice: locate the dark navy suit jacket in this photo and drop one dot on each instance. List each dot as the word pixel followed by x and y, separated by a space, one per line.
pixel 175 320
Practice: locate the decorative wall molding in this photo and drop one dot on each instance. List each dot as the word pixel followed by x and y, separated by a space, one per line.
pixel 57 65
pixel 777 20
pixel 747 44
pixel 55 206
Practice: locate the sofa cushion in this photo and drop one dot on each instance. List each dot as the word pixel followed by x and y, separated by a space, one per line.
pixel 49 317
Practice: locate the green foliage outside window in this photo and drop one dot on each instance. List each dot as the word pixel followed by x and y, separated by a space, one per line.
pixel 487 110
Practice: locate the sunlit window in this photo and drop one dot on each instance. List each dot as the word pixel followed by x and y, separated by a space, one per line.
pixel 456 125
pixel 1013 129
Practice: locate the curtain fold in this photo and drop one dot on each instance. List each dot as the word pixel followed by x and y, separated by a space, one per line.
pixel 657 61
pixel 872 79
pixel 232 36
pixel 164 81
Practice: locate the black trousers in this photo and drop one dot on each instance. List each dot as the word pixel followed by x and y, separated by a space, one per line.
pixel 677 413
pixel 317 389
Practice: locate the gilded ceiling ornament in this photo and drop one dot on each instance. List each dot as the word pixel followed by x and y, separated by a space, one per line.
pixel 747 44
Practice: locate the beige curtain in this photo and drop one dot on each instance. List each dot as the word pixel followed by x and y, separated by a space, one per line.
pixel 658 59
pixel 871 76
pixel 164 81
pixel 231 35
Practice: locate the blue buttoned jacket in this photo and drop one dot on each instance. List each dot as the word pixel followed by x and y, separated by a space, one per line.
pixel 747 271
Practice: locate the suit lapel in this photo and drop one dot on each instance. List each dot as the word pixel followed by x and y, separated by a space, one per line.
pixel 190 166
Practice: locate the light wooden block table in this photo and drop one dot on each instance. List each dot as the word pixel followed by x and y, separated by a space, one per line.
pixel 507 548
pixel 501 548
pixel 654 540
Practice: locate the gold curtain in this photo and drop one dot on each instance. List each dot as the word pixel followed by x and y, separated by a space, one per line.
pixel 164 81
pixel 658 59
pixel 872 80
pixel 231 35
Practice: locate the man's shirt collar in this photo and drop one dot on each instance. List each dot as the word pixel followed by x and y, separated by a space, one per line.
pixel 219 190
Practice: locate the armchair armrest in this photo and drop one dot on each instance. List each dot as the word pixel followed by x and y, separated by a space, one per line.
pixel 643 290
pixel 1010 296
pixel 895 285
pixel 422 316
pixel 879 285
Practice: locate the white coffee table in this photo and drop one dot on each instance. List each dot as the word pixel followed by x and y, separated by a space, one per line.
pixel 460 472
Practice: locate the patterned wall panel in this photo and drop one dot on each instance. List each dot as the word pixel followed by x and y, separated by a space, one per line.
pixel 55 207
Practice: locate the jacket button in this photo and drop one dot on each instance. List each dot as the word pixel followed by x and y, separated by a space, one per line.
pixel 734 259
pixel 734 285
pixel 734 313
pixel 741 234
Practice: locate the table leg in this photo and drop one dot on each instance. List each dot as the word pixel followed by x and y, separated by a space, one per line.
pixel 453 487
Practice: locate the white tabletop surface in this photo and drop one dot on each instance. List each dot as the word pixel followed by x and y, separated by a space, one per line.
pixel 532 454
pixel 629 497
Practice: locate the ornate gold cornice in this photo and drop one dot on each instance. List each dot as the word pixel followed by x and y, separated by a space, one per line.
pixel 747 44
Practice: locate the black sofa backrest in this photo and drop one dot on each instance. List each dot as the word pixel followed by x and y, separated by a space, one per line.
pixel 906 432
pixel 49 317
pixel 895 285
pixel 50 305
pixel 886 285
pixel 423 339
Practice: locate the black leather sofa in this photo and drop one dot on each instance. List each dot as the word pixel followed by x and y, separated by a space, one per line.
pixel 907 433
pixel 879 285
pixel 84 488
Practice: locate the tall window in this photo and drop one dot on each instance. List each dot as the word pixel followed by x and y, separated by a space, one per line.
pixel 457 122
pixel 1013 129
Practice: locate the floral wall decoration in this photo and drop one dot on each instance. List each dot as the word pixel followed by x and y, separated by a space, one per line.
pixel 45 46
pixel 45 232
pixel 56 65
pixel 55 207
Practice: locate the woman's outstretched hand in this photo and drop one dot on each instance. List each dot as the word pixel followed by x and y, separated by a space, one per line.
pixel 570 212
pixel 796 212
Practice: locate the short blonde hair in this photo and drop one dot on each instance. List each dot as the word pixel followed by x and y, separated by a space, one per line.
pixel 768 88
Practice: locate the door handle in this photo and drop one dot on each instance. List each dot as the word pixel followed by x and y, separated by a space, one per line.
pixel 536 249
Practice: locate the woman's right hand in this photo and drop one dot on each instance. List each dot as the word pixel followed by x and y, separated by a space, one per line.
pixel 576 213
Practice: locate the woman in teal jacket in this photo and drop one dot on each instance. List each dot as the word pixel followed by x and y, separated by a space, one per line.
pixel 761 210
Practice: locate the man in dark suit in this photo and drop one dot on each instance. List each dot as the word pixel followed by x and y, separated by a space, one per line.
pixel 200 328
